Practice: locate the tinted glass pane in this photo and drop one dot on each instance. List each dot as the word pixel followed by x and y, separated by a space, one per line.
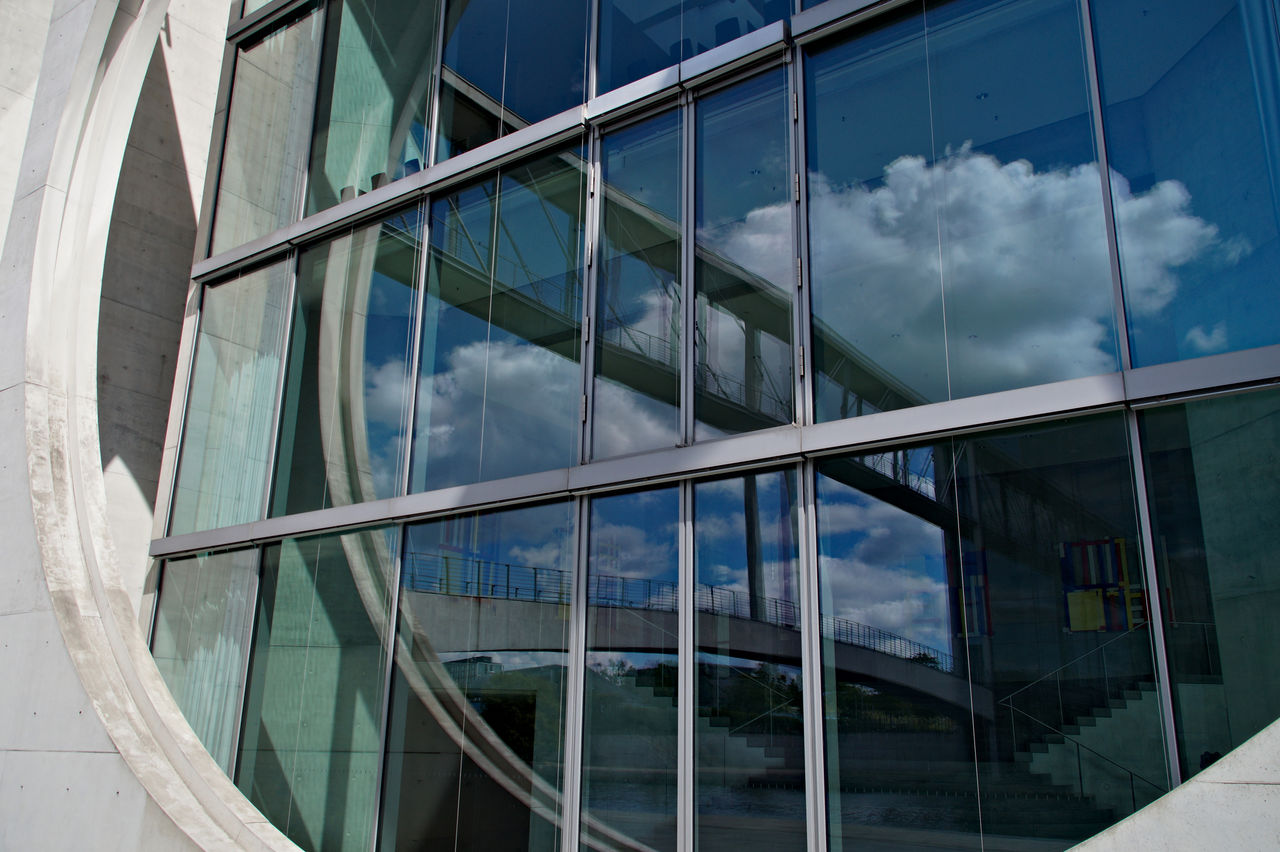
pixel 749 726
pixel 265 156
pixel 630 751
pixel 745 270
pixel 638 38
pixel 982 600
pixel 346 398
pixel 375 86
pixel 499 375
pixel 896 698
pixel 508 65
pixel 1189 100
pixel 956 232
pixel 314 709
pixel 231 406
pixel 200 641
pixel 638 313
pixel 476 743
pixel 1210 469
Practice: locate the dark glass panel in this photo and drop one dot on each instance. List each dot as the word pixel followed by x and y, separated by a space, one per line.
pixel 745 270
pixel 957 238
pixel 638 310
pixel 264 160
pixel 749 723
pixel 987 597
pixel 499 377
pixel 231 406
pixel 1192 124
pixel 375 86
pixel 476 740
pixel 313 712
pixel 629 768
pixel 639 38
pixel 1210 469
pixel 347 386
pixel 508 65
pixel 200 641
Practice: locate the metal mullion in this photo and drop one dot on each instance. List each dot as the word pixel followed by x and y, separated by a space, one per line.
pixel 594 228
pixel 593 51
pixel 811 661
pixel 415 345
pixel 243 704
pixel 433 132
pixel 288 309
pixel 251 27
pixel 1104 173
pixel 802 322
pixel 575 696
pixel 217 150
pixel 384 724
pixel 1155 616
pixel 688 331
pixel 685 698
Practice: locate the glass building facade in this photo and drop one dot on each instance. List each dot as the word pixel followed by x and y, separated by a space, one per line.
pixel 668 426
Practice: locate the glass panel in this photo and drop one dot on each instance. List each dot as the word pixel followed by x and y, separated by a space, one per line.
pixel 476 743
pixel 226 438
pixel 313 713
pixel 982 599
pixel 638 310
pixel 749 725
pixel 957 238
pixel 264 159
pixel 1192 124
pixel 895 695
pixel 346 399
pixel 1216 521
pixel 638 38
pixel 200 641
pixel 508 65
pixel 745 267
pixel 630 741
pixel 253 6
pixel 499 375
pixel 375 85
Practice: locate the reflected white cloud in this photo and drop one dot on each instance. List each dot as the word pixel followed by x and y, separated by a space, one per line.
pixel 1016 258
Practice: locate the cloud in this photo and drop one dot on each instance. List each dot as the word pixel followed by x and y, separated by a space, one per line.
pixel 968 275
pixel 1203 342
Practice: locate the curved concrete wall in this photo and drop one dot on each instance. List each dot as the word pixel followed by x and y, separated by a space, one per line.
pixel 105 113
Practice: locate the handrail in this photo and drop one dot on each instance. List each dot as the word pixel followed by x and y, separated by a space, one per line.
pixel 492 579
pixel 1142 626
pixel 1080 745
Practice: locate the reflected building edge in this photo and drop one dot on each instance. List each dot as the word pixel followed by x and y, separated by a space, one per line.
pixel 1011 634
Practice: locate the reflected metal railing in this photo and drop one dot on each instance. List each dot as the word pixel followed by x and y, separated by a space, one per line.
pixel 450 574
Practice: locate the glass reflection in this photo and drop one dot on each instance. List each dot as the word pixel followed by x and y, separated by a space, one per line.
pixel 1210 469
pixel 375 85
pixel 476 743
pixel 499 381
pixel 1192 125
pixel 749 725
pixel 264 158
pixel 985 633
pixel 629 786
pixel 638 310
pixel 313 711
pixel 231 406
pixel 508 65
pixel 744 268
pixel 957 239
pixel 200 641
pixel 346 398
pixel 639 38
